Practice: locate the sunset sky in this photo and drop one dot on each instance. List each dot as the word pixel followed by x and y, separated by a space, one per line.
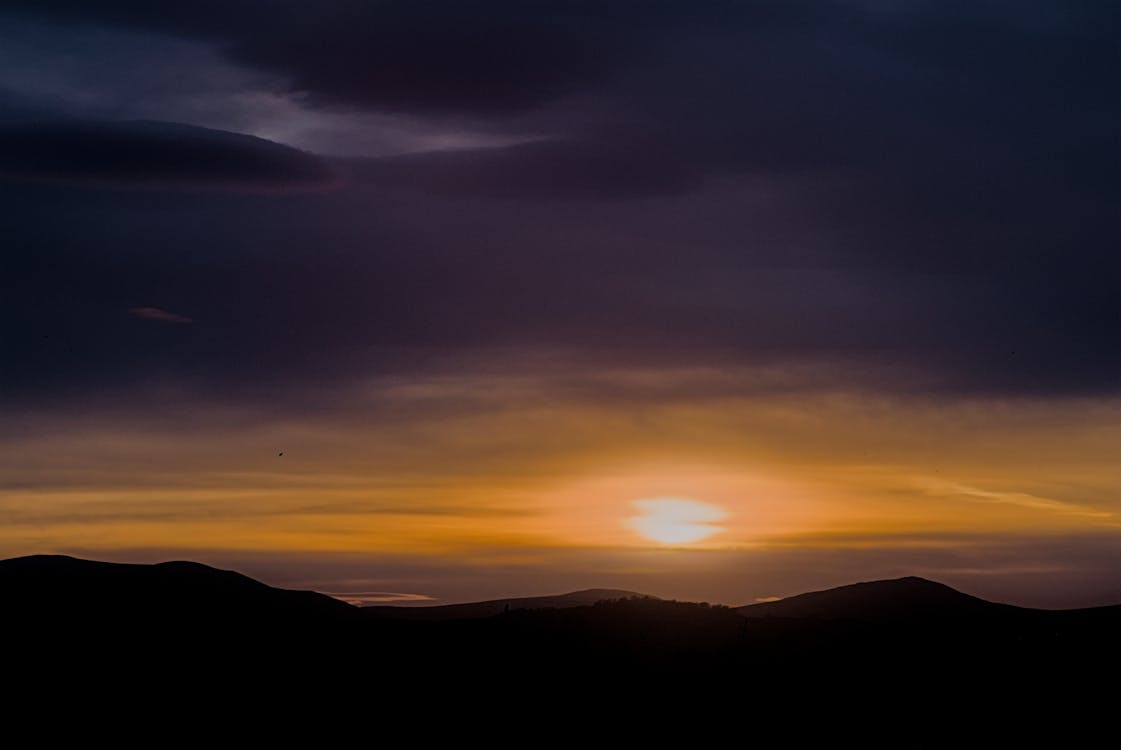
pixel 438 301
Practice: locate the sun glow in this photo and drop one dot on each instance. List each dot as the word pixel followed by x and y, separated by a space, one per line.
pixel 671 520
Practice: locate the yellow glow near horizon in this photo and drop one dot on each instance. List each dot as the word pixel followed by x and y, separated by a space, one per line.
pixel 671 520
pixel 563 485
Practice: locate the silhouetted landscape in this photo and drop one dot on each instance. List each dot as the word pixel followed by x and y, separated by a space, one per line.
pixel 472 610
pixel 905 645
pixel 451 312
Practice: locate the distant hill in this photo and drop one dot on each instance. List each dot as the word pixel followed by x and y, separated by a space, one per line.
pixel 909 598
pixel 53 588
pixel 885 663
pixel 474 610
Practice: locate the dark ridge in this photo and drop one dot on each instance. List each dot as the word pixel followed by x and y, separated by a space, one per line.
pixel 205 647
pixel 472 610
pixel 57 588
pixel 899 598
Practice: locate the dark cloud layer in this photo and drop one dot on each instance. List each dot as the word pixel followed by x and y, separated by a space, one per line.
pixel 499 56
pixel 153 154
pixel 919 196
pixel 503 56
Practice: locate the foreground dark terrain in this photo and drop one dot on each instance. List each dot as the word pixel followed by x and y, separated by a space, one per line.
pixel 868 660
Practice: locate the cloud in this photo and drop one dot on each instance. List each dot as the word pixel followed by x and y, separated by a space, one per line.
pixel 155 313
pixel 535 171
pixel 1022 499
pixel 496 57
pixel 366 598
pixel 374 278
pixel 908 201
pixel 151 154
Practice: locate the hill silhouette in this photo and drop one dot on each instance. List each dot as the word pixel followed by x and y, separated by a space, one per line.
pixel 908 598
pixel 42 588
pixel 492 607
pixel 182 639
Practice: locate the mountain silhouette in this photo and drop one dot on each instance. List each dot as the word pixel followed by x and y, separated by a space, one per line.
pixel 197 645
pixel 42 587
pixel 908 598
pixel 472 610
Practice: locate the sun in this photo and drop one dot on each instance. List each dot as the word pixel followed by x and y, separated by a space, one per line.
pixel 672 520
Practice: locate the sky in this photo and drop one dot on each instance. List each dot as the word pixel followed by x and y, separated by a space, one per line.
pixel 432 301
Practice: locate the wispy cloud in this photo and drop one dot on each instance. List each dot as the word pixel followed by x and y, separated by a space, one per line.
pixel 158 314
pixel 362 598
pixel 1021 499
